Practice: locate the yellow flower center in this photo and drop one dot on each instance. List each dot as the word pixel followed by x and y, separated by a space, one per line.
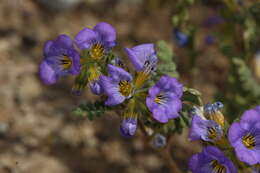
pixel 249 141
pixel 212 133
pixel 158 99
pixel 125 88
pixel 66 62
pixel 217 167
pixel 97 51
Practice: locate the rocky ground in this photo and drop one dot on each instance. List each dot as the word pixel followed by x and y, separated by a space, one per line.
pixel 38 133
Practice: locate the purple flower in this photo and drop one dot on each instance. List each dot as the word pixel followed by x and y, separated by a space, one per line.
pixel 164 99
pixel 211 160
pixel 118 86
pixel 94 74
pixel 98 40
pixel 60 59
pixel 244 136
pixel 207 130
pixel 143 57
pixel 128 126
pixel 181 38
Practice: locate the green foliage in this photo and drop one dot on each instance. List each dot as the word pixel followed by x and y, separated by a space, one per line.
pixel 246 78
pixel 166 64
pixel 192 96
pixel 91 110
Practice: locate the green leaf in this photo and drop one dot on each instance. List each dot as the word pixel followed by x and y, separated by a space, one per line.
pixel 246 78
pixel 91 110
pixel 164 51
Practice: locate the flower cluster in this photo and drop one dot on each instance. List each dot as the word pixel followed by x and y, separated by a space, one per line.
pixel 145 98
pixel 90 57
pixel 244 136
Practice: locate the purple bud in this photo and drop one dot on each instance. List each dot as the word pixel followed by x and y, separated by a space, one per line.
pixel 96 87
pixel 128 127
pixel 159 141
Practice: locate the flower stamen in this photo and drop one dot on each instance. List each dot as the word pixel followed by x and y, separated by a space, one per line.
pixel 97 51
pixel 217 167
pixel 66 62
pixel 125 88
pixel 249 141
pixel 160 99
pixel 143 76
pixel 212 133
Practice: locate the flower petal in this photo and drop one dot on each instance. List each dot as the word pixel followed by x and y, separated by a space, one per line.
pixel 96 87
pixel 118 73
pixel 75 58
pixel 159 114
pixel 151 104
pixel 64 41
pixel 47 74
pixel 197 129
pixel 105 31
pixel 194 162
pixel 235 133
pixel 173 107
pixel 47 48
pixel 154 91
pixel 85 38
pixel 139 54
pixel 252 115
pixel 111 90
pixel 137 63
pixel 250 157
pixel 114 99
pixel 58 46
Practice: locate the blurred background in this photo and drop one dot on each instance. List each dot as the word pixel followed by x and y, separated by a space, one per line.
pixel 39 134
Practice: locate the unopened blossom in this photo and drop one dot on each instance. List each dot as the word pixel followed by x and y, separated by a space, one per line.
pixel 212 112
pixel 211 160
pixel 159 141
pixel 96 87
pixel 98 41
pixel 164 99
pixel 128 125
pixel 60 59
pixel 94 80
pixel 117 86
pixel 244 136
